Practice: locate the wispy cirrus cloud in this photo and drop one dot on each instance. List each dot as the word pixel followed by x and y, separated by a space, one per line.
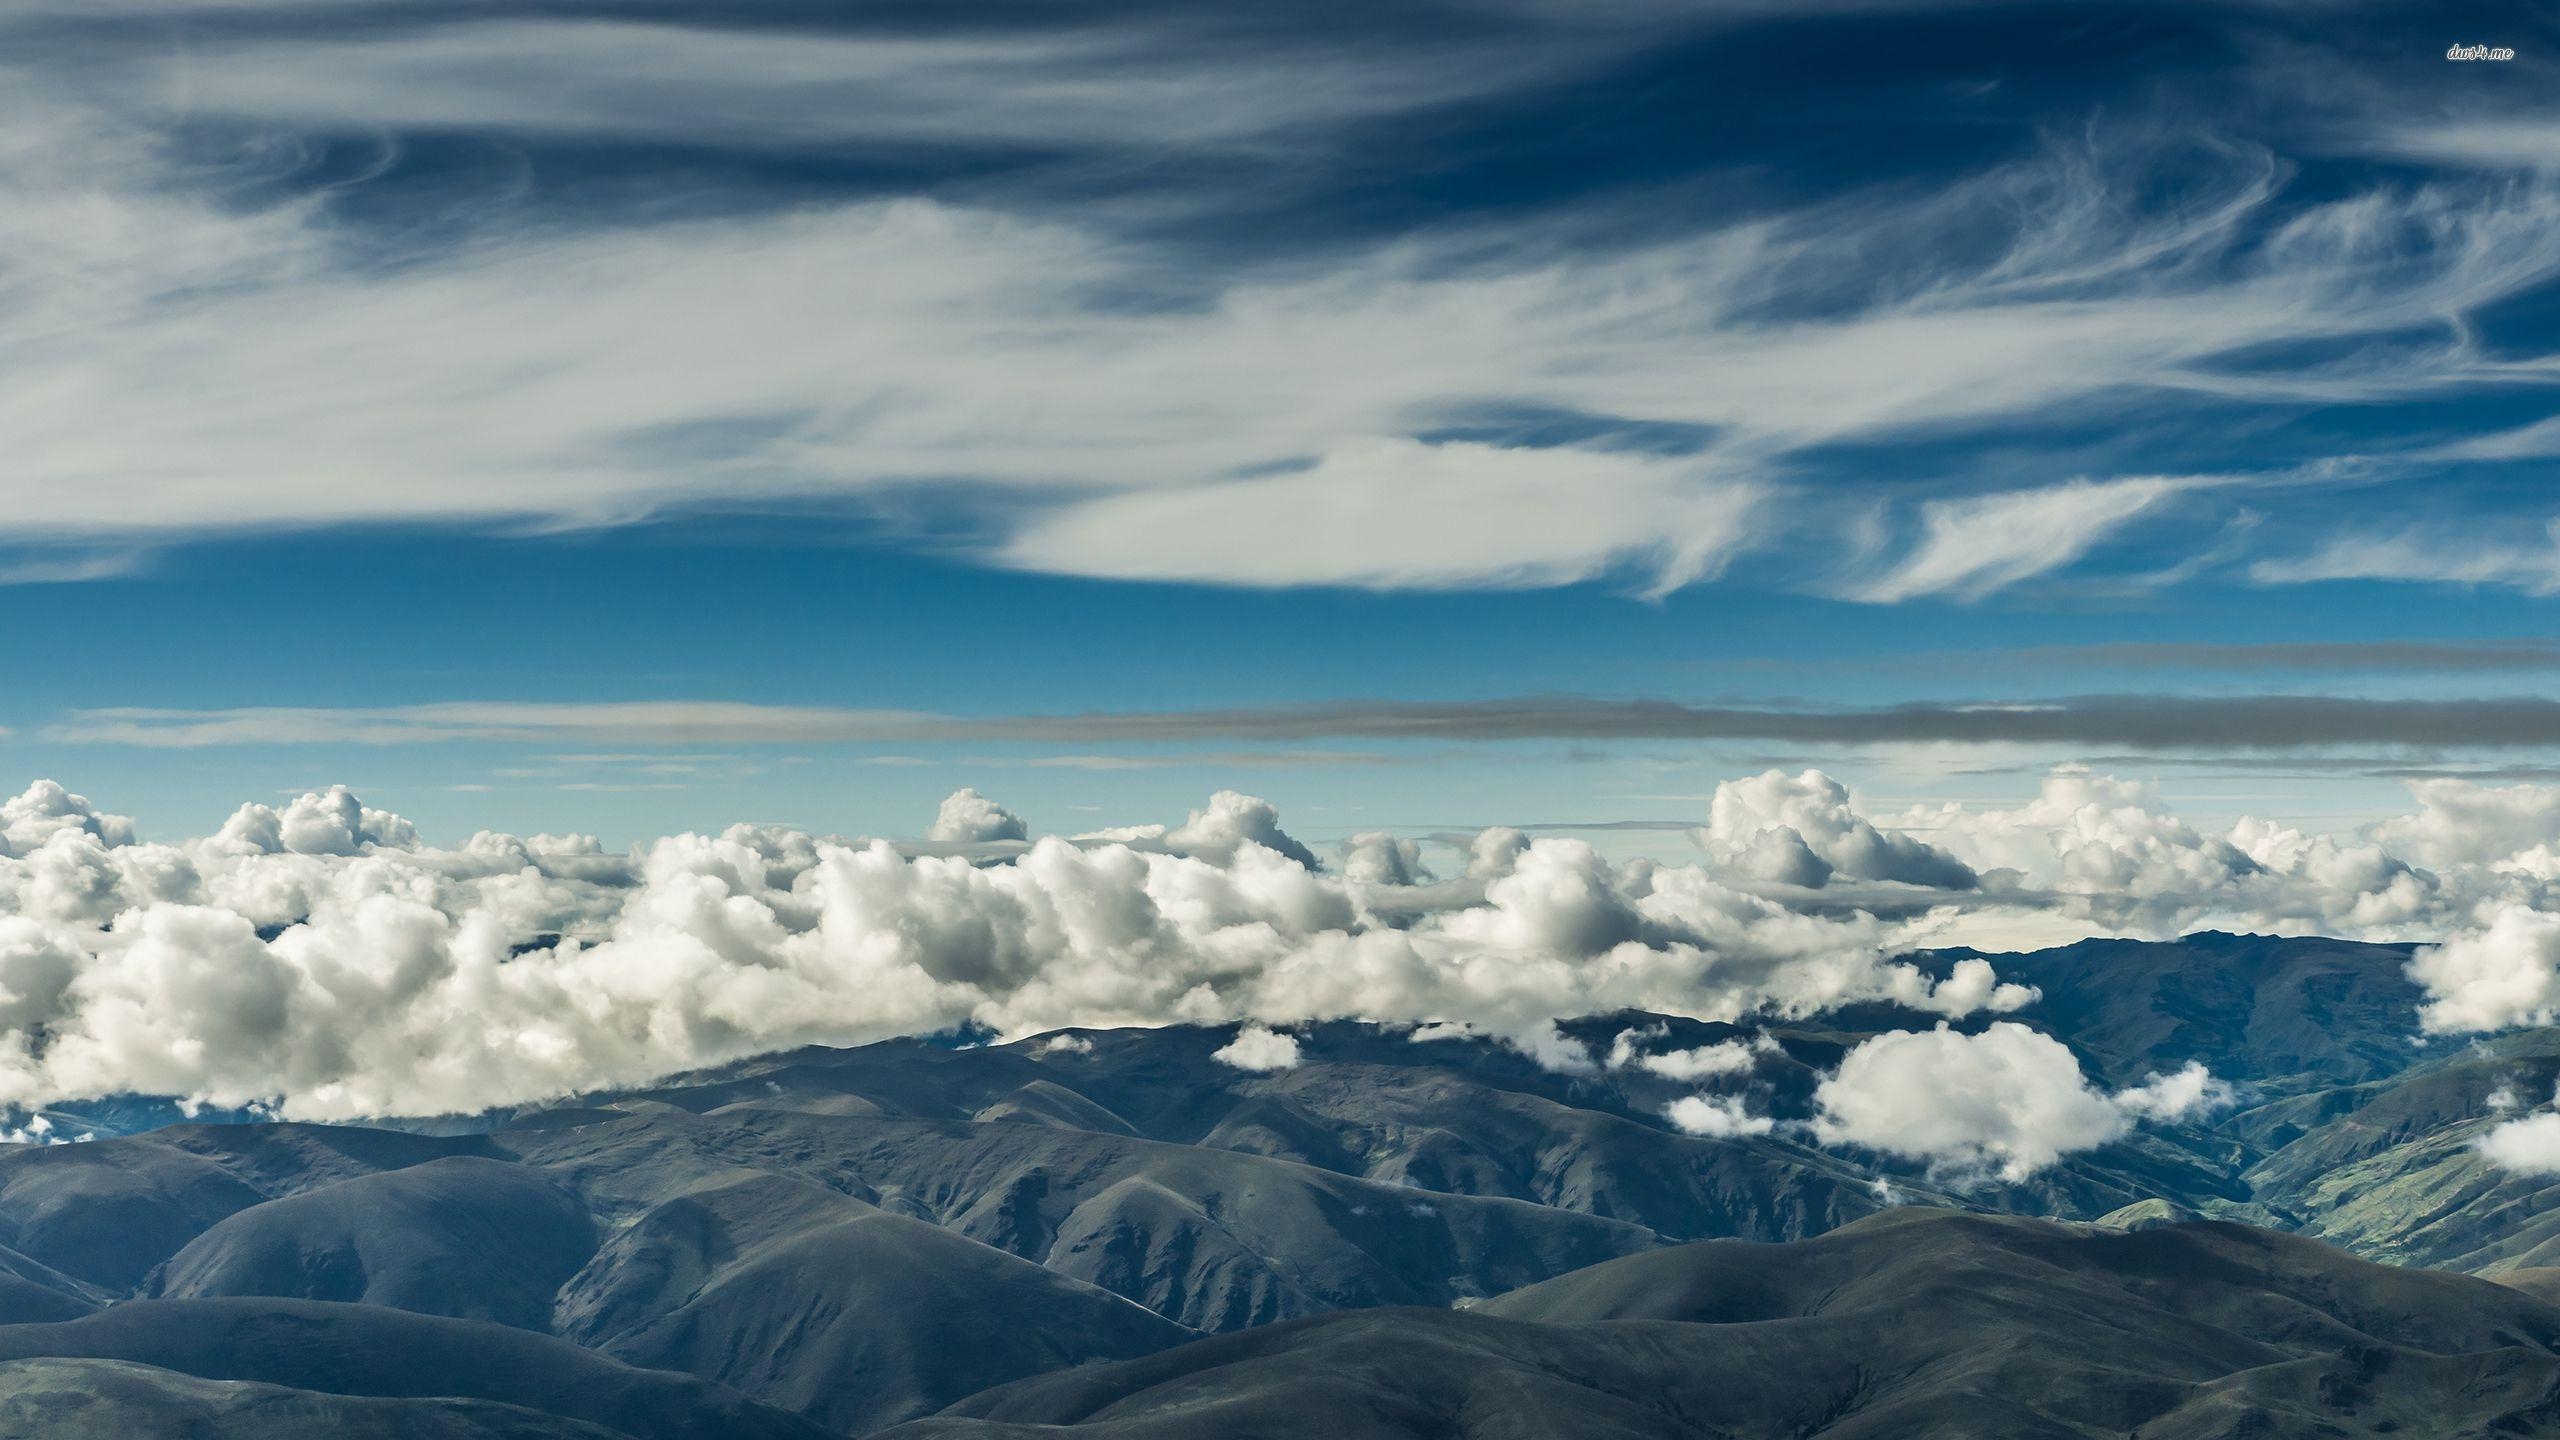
pixel 1970 547
pixel 2444 556
pixel 231 333
pixel 2244 657
pixel 1402 514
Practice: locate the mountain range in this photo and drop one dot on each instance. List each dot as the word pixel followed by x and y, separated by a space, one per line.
pixel 1116 1233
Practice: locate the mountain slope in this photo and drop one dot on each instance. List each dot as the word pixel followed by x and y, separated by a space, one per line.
pixel 114 1400
pixel 1208 1238
pixel 1914 1322
pixel 368 1350
pixel 854 1317
pixel 462 1236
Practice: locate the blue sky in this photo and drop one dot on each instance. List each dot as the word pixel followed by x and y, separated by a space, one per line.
pixel 399 394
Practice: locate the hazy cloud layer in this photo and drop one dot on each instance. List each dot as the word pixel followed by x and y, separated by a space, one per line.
pixel 2265 723
pixel 2318 656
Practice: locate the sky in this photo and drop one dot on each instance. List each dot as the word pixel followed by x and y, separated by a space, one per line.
pixel 626 418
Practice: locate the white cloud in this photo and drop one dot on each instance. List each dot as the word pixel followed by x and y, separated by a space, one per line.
pixel 1720 1116
pixel 2522 442
pixel 1728 1057
pixel 212 349
pixel 2455 558
pixel 2459 823
pixel 320 955
pixel 1131 86
pixel 2009 1100
pixel 1494 851
pixel 1970 547
pixel 1378 858
pixel 2524 141
pixel 1530 518
pixel 1230 822
pixel 44 810
pixel 2530 1146
pixel 969 818
pixel 1255 1048
pixel 2113 855
pixel 2505 974
pixel 2190 1092
pixel 1800 830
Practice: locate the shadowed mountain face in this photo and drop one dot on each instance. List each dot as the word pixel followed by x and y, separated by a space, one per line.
pixel 369 1350
pixel 459 1236
pixel 1912 1323
pixel 113 1399
pixel 845 1240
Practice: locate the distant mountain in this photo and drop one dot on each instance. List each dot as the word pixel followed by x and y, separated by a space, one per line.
pixel 2288 1015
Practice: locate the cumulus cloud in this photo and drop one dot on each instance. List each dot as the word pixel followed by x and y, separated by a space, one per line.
pixel 2189 1093
pixel 2090 834
pixel 1800 830
pixel 2530 1146
pixel 1719 1116
pixel 1494 851
pixel 2008 1101
pixel 1377 858
pixel 969 818
pixel 1256 1048
pixel 2504 974
pixel 2109 851
pixel 45 809
pixel 1232 821
pixel 2459 823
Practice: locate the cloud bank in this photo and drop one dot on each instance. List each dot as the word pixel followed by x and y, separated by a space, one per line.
pixel 322 958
